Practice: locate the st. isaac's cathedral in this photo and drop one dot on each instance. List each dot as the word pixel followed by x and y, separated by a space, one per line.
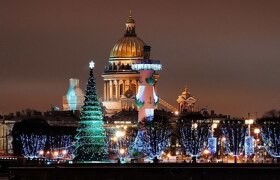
pixel 120 81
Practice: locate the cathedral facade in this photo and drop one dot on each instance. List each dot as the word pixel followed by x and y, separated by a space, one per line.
pixel 120 81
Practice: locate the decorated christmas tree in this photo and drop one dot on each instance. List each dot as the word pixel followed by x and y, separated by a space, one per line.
pixel 90 139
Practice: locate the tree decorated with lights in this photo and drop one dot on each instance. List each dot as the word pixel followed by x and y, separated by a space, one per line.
pixel 194 135
pixel 29 141
pixel 90 139
pixel 270 131
pixel 234 132
pixel 158 135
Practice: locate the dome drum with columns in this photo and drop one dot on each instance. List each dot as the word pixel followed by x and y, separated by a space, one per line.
pixel 120 81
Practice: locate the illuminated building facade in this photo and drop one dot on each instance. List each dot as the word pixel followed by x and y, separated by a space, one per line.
pixel 120 81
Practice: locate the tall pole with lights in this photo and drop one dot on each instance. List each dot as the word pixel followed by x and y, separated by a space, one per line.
pixel 249 140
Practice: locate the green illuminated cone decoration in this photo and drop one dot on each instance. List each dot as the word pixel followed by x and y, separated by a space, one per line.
pixel 90 139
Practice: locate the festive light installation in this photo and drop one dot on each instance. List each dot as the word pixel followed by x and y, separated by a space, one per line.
pixel 249 141
pixel 212 141
pixel 249 145
pixel 60 142
pixel 270 133
pixel 159 132
pixel 212 145
pixel 32 144
pixel 146 99
pixel 90 139
pixel 234 131
pixel 194 136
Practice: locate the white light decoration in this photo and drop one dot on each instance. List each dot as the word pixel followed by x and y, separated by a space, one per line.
pixel 149 112
pixel 154 67
pixel 91 64
pixel 140 93
pixel 155 96
pixel 120 134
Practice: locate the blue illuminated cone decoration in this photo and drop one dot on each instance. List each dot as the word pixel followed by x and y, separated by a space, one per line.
pixel 90 139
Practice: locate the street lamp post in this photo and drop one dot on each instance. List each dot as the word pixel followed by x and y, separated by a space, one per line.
pixel 119 138
pixel 257 131
pixel 223 139
pixel 249 141
pixel 194 127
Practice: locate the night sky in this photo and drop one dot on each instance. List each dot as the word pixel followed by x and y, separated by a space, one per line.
pixel 228 52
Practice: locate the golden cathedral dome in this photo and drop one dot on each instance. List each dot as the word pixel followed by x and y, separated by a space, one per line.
pixel 129 46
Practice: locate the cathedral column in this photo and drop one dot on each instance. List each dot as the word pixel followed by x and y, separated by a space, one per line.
pixel 104 91
pixel 117 90
pixel 108 90
pixel 129 84
pixel 111 90
pixel 124 85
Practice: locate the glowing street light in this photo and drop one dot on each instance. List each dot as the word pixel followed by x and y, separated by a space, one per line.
pixel 214 126
pixel 55 153
pixel 194 125
pixel 257 131
pixel 249 122
pixel 206 152
pixel 114 138
pixel 122 151
pixel 120 134
pixel 64 152
pixel 41 152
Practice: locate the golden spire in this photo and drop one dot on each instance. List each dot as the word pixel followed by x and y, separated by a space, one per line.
pixel 186 88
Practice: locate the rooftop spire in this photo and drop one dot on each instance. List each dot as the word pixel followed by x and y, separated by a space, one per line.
pixel 186 88
pixel 130 26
